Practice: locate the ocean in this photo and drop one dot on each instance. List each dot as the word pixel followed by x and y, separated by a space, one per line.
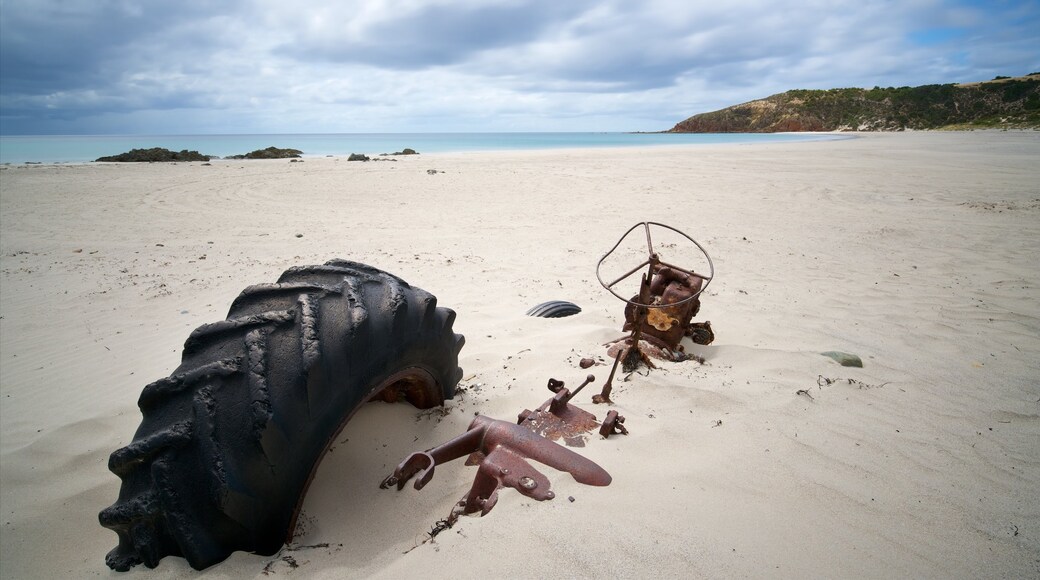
pixel 86 148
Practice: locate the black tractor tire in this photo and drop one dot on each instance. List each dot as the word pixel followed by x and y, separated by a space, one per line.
pixel 229 442
pixel 554 309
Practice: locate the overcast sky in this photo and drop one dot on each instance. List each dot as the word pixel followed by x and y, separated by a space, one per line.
pixel 274 66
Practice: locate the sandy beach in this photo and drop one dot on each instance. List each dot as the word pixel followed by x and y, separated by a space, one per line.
pixel 918 252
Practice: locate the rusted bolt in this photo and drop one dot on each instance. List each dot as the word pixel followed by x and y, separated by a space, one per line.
pixel 612 424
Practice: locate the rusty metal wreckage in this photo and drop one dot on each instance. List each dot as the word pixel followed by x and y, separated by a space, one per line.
pixel 658 318
pixel 227 446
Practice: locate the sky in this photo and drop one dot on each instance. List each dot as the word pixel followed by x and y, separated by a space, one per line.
pixel 273 66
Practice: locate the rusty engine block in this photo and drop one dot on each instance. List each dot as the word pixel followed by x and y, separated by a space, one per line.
pixel 668 323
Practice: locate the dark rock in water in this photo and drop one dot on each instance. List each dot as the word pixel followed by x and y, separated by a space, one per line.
pixel 155 154
pixel 358 157
pixel 269 153
pixel 844 359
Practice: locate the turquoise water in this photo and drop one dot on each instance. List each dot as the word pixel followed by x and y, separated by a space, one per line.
pixel 83 148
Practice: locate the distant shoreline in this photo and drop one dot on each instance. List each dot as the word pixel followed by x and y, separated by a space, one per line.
pixel 16 149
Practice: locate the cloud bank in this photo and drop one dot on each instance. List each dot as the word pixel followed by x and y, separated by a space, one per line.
pixel 260 66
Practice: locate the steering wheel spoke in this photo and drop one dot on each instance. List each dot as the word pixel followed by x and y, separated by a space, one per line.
pixel 627 275
pixel 654 259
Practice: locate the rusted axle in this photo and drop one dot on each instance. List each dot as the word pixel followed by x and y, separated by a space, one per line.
pixel 501 451
pixel 504 449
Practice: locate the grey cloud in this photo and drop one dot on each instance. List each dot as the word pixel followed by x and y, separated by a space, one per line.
pixel 66 60
pixel 431 35
pixel 50 46
pixel 626 49
pixel 452 61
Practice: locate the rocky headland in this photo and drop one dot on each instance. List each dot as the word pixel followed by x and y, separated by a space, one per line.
pixel 1001 103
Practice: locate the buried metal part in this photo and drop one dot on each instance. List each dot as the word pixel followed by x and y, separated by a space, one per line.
pixel 604 394
pixel 661 312
pixel 503 449
pixel 613 424
pixel 556 418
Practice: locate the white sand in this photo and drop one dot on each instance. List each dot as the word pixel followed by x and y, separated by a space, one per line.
pixel 920 252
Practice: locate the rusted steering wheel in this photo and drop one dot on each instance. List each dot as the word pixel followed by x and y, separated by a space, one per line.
pixel 653 261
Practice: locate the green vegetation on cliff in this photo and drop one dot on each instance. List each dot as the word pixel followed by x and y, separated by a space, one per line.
pixel 1012 103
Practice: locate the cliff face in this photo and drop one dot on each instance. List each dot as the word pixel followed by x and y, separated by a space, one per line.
pixel 1000 103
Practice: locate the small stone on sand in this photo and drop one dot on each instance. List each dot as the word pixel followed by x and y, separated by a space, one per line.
pixel 843 358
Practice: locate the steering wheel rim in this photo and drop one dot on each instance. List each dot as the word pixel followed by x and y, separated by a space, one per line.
pixel 651 258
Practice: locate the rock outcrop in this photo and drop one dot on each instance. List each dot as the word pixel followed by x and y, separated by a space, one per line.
pixel 270 153
pixel 153 155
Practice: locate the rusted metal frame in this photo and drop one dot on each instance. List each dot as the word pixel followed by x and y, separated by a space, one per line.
pixel 676 304
pixel 642 309
pixel 611 251
pixel 557 419
pixel 711 265
pixel 646 226
pixel 649 242
pixel 423 462
pixel 504 449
